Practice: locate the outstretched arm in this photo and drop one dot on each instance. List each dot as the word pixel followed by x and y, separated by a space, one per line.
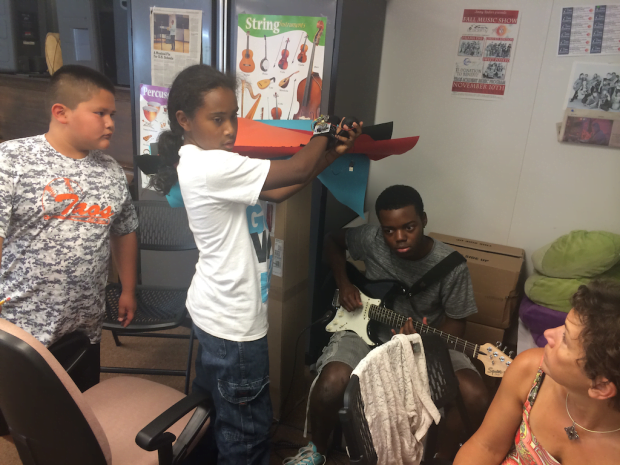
pixel 306 164
pixel 280 195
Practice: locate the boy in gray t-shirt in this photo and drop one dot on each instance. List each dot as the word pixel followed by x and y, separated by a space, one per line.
pixel 397 250
pixel 63 205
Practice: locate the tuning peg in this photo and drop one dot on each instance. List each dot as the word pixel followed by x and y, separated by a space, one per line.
pixel 511 354
pixel 498 345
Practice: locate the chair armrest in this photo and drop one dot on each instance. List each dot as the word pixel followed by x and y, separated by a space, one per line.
pixel 154 435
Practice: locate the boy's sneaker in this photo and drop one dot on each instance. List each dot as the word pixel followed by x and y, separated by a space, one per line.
pixel 306 456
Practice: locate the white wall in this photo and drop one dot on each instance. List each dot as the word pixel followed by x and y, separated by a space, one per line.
pixel 489 170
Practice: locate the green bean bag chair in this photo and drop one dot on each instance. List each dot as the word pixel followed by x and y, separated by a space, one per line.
pixel 555 293
pixel 578 254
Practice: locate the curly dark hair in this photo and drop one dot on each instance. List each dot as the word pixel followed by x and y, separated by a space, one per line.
pixel 597 305
pixel 397 197
pixel 186 94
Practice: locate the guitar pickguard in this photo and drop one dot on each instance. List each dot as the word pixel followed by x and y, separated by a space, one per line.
pixel 356 320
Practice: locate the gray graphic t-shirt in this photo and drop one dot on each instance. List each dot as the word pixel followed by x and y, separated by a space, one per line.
pixel 453 296
pixel 56 216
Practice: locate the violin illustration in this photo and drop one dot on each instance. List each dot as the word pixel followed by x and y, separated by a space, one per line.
pixel 302 57
pixel 284 82
pixel 276 113
pixel 247 64
pixel 283 63
pixel 310 88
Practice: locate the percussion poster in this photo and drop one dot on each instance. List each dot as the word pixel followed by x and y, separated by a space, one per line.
pixel 485 53
pixel 590 30
pixel 279 62
pixel 153 119
pixel 175 42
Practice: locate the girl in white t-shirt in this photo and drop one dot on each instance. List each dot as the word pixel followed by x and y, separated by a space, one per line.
pixel 227 299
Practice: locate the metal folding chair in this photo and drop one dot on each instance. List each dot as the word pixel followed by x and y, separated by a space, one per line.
pixel 165 229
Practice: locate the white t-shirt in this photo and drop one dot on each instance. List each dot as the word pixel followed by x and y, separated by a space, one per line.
pixel 228 294
pixel 173 29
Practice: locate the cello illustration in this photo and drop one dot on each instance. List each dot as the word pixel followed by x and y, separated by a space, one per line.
pixel 276 112
pixel 247 64
pixel 310 88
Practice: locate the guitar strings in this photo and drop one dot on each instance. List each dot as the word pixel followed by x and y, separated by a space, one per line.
pixel 393 318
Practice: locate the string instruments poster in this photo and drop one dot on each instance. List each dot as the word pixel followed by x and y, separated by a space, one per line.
pixel 153 119
pixel 485 53
pixel 279 61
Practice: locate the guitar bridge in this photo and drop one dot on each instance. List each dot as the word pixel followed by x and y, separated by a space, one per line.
pixel 336 299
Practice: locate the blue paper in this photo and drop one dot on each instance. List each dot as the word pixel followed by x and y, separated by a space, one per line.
pixel 346 178
pixel 302 124
pixel 174 197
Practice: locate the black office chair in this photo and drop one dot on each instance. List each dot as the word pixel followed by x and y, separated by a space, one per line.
pixel 161 228
pixel 53 423
pixel 444 388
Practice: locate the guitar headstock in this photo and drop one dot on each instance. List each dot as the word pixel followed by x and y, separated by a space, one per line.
pixel 321 26
pixel 495 361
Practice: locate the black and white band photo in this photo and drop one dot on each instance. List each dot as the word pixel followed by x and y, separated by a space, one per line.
pixel 594 86
pixel 498 49
pixel 494 70
pixel 470 48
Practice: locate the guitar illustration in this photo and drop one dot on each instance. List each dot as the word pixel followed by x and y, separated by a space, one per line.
pixel 363 322
pixel 264 63
pixel 247 64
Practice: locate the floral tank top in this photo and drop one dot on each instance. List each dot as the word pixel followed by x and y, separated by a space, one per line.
pixel 526 450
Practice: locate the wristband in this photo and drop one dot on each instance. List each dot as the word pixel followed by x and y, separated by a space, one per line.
pixel 322 127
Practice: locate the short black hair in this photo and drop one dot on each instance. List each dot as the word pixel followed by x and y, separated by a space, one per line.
pixel 397 197
pixel 74 84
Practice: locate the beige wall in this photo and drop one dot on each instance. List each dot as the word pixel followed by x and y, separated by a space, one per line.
pixel 490 170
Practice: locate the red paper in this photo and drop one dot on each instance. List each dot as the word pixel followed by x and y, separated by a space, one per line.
pixel 259 140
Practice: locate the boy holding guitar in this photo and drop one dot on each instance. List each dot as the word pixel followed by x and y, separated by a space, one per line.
pixel 396 250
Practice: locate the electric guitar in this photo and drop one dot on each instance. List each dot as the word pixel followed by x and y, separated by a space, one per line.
pixel 375 311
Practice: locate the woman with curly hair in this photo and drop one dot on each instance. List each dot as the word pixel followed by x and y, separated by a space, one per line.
pixel 560 404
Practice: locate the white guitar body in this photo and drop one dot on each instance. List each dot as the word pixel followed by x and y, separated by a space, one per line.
pixel 356 320
pixel 494 360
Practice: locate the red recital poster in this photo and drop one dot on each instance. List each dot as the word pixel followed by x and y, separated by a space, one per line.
pixel 485 52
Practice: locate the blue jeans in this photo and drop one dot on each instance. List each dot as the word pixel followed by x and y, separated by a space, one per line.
pixel 237 376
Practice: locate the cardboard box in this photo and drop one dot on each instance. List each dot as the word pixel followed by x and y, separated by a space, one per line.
pixel 495 274
pixel 288 301
pixel 483 334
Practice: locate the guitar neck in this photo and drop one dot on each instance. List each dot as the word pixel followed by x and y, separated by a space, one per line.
pixel 396 320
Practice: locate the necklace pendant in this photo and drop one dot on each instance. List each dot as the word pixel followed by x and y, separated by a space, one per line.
pixel 571 432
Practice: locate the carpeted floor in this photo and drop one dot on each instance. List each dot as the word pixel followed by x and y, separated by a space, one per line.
pixel 172 353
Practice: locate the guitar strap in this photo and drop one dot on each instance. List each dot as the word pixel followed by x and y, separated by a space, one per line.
pixel 436 273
